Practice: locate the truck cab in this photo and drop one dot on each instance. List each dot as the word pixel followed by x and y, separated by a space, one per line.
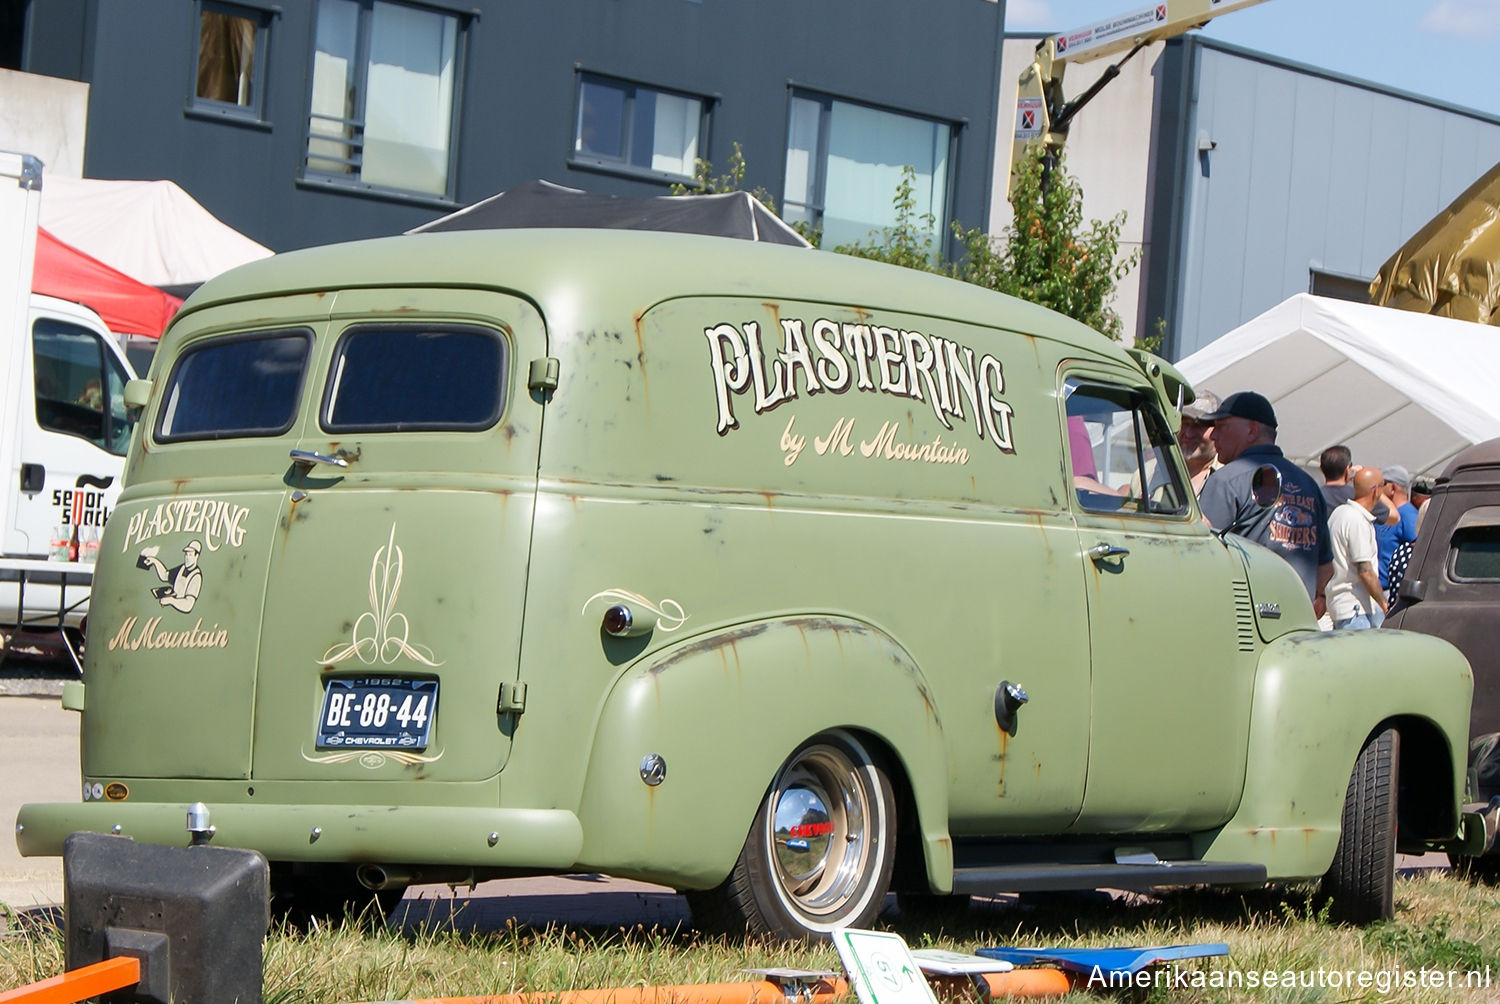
pixel 64 431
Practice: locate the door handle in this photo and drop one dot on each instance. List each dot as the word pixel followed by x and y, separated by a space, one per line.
pixel 1103 552
pixel 33 478
pixel 310 459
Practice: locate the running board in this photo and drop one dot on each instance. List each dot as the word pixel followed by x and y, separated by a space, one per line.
pixel 1057 877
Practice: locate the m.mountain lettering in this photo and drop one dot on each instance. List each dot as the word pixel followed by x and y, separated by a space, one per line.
pixel 150 636
pixel 838 357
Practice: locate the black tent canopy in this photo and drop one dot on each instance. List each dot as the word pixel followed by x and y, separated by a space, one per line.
pixel 543 204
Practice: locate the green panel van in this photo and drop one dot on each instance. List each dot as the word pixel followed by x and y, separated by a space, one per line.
pixel 779 577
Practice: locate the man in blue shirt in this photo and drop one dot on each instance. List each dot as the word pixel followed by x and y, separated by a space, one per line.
pixel 1390 536
pixel 1296 527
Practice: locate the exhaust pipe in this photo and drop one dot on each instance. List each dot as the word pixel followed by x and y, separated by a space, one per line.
pixel 379 878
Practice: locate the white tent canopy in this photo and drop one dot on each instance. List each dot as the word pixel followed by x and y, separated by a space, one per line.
pixel 1396 387
pixel 152 231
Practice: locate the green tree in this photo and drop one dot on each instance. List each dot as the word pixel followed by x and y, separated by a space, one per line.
pixel 1049 255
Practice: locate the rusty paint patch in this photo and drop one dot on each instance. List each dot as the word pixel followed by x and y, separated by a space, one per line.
pixel 640 355
pixel 718 642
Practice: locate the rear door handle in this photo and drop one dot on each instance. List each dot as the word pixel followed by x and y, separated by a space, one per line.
pixel 310 459
pixel 1103 552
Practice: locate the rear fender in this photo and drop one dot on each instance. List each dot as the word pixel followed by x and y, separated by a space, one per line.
pixel 1318 698
pixel 724 711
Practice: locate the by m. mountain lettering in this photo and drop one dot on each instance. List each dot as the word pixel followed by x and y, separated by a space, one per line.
pixel 838 357
pixel 128 639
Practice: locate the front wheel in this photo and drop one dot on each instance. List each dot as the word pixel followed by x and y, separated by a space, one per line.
pixel 1361 880
pixel 820 852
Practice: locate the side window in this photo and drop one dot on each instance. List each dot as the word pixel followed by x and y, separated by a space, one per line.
pixel 1120 450
pixel 79 386
pixel 409 378
pixel 635 128
pixel 1475 553
pixel 242 386
pixel 230 76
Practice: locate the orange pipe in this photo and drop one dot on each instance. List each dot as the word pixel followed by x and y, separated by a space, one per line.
pixel 79 984
pixel 1024 983
pixel 1018 983
pixel 754 992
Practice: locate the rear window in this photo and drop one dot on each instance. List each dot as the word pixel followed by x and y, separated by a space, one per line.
pixel 245 385
pixel 409 378
pixel 1476 554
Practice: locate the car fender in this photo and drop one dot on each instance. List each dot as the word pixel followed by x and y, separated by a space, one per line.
pixel 722 712
pixel 1318 698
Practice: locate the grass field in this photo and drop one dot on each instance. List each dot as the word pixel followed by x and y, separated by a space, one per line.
pixel 1443 925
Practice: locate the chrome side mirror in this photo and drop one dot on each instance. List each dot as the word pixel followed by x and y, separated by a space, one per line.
pixel 1265 485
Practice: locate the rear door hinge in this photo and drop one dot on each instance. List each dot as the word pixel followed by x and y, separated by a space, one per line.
pixel 512 699
pixel 543 373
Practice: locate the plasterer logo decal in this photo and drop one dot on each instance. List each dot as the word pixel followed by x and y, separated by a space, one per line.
pixel 834 357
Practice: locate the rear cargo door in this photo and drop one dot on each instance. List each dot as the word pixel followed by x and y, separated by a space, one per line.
pixel 175 612
pixel 397 576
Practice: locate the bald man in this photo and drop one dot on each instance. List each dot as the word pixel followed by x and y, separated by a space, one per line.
pixel 1355 600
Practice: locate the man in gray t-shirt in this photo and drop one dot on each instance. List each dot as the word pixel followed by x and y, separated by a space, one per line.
pixel 1296 527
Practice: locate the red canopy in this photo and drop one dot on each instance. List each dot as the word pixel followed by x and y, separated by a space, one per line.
pixel 128 307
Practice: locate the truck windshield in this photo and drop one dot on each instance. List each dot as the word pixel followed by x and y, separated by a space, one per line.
pixel 240 386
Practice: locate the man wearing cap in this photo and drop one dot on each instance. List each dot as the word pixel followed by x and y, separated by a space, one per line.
pixel 1403 530
pixel 1296 526
pixel 1196 441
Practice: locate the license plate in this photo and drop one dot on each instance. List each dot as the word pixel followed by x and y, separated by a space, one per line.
pixel 377 712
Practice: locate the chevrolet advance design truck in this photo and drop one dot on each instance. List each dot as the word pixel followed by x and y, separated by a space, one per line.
pixel 779 577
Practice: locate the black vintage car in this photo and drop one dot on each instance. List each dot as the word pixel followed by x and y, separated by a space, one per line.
pixel 1452 590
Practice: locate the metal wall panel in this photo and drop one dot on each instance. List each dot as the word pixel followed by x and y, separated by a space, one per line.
pixel 1308 171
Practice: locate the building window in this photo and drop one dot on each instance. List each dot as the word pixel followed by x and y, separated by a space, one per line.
pixel 844 162
pixel 231 71
pixel 636 128
pixel 384 96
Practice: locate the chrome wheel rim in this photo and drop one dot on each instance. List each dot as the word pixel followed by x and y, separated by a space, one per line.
pixel 820 831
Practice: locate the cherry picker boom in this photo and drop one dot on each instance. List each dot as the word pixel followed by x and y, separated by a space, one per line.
pixel 1043 115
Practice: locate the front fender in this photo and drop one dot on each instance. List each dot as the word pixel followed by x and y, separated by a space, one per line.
pixel 1318 698
pixel 724 711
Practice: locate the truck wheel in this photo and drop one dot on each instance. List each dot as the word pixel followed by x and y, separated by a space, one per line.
pixel 1361 879
pixel 820 851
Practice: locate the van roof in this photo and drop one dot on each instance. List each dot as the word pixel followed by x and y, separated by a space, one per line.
pixel 545 266
pixel 1485 454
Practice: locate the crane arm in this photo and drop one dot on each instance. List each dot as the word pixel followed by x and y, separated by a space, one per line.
pixel 1042 112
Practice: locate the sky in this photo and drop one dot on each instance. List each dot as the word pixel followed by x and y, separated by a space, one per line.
pixel 1443 49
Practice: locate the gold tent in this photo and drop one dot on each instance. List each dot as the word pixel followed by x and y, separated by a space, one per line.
pixel 1450 266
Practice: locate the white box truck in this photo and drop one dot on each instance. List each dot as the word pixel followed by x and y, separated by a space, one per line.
pixel 64 428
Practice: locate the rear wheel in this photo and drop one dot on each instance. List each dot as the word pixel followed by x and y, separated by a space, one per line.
pixel 820 851
pixel 1361 880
